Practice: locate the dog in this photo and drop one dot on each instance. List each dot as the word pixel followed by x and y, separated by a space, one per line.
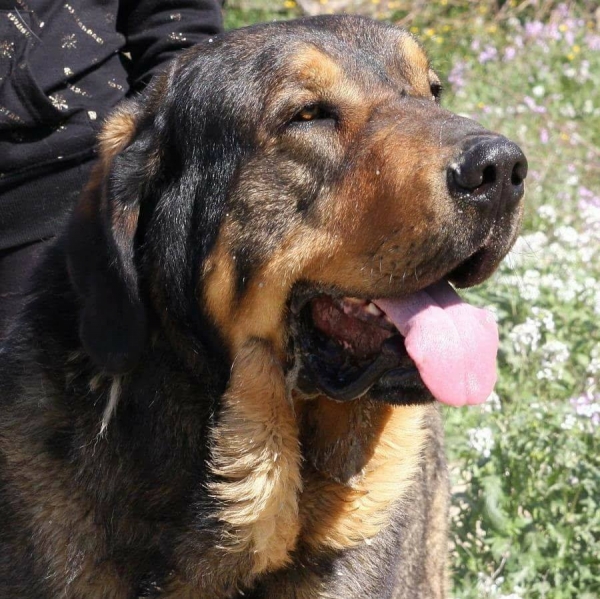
pixel 225 382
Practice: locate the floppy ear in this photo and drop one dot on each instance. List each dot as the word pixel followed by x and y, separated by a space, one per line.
pixel 100 250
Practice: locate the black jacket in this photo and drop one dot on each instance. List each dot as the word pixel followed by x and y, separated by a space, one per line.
pixel 63 65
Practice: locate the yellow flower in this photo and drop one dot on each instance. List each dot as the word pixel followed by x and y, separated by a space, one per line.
pixel 483 9
pixel 429 32
pixel 564 137
pixel 289 4
pixel 571 56
pixel 439 39
pixel 576 49
pixel 414 29
pixel 446 28
pixel 492 29
pixel 443 2
pixel 480 105
pixel 562 27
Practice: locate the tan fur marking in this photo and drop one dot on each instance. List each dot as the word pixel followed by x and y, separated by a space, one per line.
pixel 117 132
pixel 417 64
pixel 318 77
pixel 437 536
pixel 256 453
pixel 339 516
pixel 218 283
pixel 261 311
pixel 315 68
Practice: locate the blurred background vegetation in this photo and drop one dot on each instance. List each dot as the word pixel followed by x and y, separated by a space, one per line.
pixel 525 466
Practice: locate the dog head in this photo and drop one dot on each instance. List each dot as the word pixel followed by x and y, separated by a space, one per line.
pixel 274 182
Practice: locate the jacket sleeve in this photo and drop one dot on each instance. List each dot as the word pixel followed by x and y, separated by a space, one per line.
pixel 156 29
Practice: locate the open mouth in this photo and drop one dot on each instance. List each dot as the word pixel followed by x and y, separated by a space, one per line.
pixel 348 346
pixel 424 346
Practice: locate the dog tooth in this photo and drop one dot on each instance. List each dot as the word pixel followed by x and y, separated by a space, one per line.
pixel 371 308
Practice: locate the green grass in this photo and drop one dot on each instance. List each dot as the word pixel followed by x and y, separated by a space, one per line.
pixel 526 467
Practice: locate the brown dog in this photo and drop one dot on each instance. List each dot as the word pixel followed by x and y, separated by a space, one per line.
pixel 201 400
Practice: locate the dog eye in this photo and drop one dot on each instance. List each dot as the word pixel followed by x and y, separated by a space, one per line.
pixel 436 90
pixel 313 112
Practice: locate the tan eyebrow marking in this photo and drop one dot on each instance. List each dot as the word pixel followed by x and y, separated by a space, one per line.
pixel 416 64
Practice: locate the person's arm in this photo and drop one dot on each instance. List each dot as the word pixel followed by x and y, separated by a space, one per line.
pixel 156 29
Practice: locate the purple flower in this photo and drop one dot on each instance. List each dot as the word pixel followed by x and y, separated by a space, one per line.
pixel 544 136
pixel 518 41
pixel 562 10
pixel 456 77
pixel 553 32
pixel 489 53
pixel 531 104
pixel 509 53
pixel 593 41
pixel 569 37
pixel 535 175
pixel 588 406
pixel 534 29
pixel 587 198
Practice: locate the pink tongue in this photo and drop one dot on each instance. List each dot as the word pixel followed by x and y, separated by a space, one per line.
pixel 452 343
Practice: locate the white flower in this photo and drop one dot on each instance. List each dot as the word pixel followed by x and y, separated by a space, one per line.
pixel 551 281
pixel 569 291
pixel 547 374
pixel 597 303
pixel 594 365
pixel 481 440
pixel 567 110
pixel 538 91
pixel 529 287
pixel 545 317
pixel 555 352
pixel 526 247
pixel 569 422
pixel 554 355
pixel 547 213
pixel 567 235
pixel 488 586
pixel 492 404
pixel 587 253
pixel 558 252
pixel 526 336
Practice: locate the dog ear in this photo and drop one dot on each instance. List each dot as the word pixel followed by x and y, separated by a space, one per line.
pixel 100 249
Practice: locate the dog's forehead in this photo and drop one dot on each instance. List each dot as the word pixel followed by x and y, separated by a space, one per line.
pixel 387 55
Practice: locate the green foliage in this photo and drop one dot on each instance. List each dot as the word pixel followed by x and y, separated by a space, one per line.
pixel 525 516
pixel 526 466
pixel 240 13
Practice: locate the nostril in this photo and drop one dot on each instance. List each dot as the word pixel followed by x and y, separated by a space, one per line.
pixel 519 173
pixel 489 175
pixel 472 178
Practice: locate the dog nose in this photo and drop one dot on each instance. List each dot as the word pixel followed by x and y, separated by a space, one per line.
pixel 490 169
